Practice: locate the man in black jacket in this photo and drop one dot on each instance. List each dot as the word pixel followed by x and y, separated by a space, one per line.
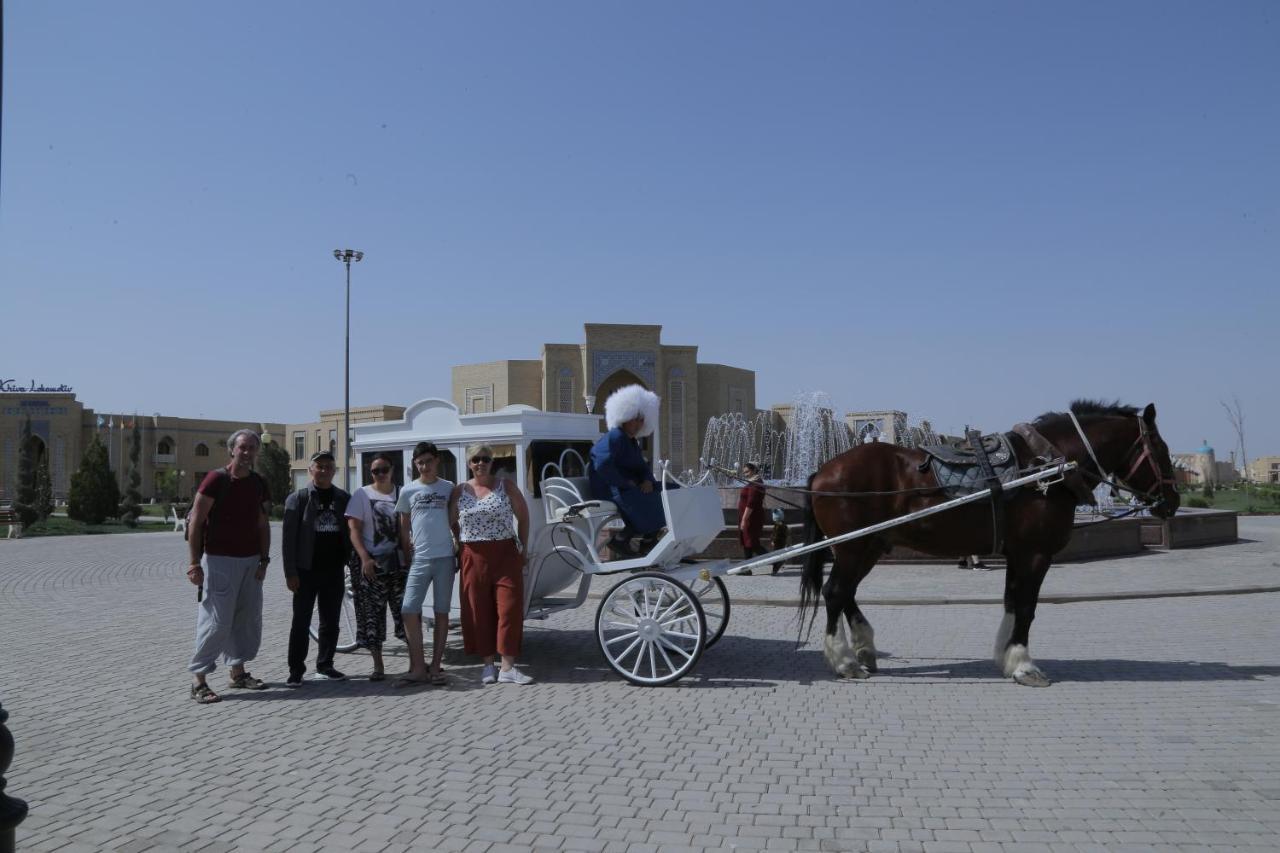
pixel 315 548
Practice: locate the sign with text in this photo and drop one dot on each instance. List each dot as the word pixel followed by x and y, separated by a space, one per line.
pixel 11 386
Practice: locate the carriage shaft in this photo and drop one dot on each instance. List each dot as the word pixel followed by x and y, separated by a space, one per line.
pixel 797 550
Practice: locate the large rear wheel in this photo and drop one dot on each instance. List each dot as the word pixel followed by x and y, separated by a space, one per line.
pixel 714 598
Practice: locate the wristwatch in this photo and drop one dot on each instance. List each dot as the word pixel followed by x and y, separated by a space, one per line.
pixel 264 560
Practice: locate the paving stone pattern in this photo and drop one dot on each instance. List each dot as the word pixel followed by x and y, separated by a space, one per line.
pixel 1161 733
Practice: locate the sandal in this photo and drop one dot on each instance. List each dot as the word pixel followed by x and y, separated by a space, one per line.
pixel 439 679
pixel 247 682
pixel 408 681
pixel 377 675
pixel 203 695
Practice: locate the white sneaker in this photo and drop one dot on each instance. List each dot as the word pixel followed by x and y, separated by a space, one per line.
pixel 490 674
pixel 514 676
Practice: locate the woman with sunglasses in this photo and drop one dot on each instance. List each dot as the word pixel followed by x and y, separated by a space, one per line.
pixel 481 512
pixel 377 576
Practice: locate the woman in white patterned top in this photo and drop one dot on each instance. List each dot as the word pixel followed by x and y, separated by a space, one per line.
pixel 481 511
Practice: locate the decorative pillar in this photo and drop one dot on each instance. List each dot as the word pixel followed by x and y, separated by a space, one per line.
pixel 12 811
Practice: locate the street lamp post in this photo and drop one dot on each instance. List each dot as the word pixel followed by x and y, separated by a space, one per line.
pixel 346 256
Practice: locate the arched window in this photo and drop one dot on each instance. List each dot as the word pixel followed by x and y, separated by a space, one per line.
pixel 202 449
pixel 675 416
pixel 564 389
pixel 165 447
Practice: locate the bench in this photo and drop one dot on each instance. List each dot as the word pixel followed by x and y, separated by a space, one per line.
pixel 179 519
pixel 9 517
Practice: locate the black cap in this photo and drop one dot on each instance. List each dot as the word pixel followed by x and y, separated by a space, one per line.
pixel 322 454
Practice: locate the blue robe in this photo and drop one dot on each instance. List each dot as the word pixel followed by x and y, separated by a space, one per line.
pixel 617 470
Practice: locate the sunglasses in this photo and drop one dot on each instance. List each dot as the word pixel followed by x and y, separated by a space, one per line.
pixel 479 460
pixel 380 470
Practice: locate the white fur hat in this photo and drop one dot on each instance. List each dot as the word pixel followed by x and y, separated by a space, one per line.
pixel 629 401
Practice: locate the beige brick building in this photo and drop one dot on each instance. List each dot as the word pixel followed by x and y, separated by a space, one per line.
pixel 302 440
pixel 1265 469
pixel 580 377
pixel 62 428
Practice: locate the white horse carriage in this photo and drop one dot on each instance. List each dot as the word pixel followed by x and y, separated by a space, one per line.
pixel 654 623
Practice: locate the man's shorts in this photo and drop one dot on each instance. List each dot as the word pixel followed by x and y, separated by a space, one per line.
pixel 436 573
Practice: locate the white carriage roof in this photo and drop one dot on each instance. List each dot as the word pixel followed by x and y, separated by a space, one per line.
pixel 439 421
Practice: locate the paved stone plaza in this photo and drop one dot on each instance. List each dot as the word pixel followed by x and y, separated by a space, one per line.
pixel 1162 731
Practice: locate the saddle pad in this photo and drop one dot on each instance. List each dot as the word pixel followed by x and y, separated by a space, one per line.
pixel 966 477
pixel 999 451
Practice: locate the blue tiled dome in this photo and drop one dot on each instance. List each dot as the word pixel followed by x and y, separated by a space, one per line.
pixel 1205 448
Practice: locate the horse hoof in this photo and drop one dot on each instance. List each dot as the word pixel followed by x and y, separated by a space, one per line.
pixel 867 658
pixel 1032 678
pixel 853 672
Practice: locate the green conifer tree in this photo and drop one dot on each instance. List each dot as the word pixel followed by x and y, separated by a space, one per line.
pixel 25 505
pixel 44 488
pixel 94 495
pixel 131 504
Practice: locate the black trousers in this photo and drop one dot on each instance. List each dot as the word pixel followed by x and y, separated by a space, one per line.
pixel 327 587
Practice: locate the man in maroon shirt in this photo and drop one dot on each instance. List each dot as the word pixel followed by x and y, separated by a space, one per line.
pixel 229 527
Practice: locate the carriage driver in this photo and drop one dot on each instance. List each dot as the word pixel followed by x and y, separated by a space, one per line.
pixel 619 472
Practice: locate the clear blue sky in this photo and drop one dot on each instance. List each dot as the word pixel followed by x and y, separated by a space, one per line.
pixel 970 211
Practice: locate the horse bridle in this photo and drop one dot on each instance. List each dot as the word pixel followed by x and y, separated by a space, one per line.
pixel 1144 452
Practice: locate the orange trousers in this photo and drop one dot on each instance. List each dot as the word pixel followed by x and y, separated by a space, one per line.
pixel 492 598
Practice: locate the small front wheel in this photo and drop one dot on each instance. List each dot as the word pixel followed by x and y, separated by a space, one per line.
pixel 651 629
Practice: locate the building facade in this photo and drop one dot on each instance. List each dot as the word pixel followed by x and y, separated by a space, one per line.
pixel 176 452
pixel 1265 469
pixel 302 440
pixel 578 378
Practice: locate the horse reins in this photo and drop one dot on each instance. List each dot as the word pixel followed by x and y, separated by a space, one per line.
pixel 1143 444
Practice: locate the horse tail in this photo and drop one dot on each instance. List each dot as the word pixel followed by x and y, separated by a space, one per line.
pixel 811 576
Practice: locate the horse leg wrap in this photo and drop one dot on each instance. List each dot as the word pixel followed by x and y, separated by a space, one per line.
pixel 1003 633
pixel 1019 666
pixel 840 655
pixel 864 644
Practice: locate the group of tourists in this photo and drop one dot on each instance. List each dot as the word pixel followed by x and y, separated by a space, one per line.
pixel 398 545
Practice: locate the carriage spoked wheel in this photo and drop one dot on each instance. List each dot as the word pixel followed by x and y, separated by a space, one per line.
pixel 714 598
pixel 346 620
pixel 651 629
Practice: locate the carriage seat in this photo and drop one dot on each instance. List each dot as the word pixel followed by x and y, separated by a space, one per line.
pixel 567 496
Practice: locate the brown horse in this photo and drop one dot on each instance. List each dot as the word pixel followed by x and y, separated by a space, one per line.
pixel 1122 441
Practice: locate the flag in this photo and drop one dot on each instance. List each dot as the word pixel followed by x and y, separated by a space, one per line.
pixel 99 421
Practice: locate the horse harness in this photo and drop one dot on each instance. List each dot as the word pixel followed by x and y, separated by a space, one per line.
pixel 988 462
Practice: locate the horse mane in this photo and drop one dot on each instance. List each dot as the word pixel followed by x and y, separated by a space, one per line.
pixel 1082 408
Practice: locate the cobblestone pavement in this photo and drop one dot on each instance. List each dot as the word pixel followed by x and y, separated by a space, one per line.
pixel 1162 731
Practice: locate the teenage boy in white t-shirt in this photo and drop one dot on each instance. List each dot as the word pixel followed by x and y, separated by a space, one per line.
pixel 426 542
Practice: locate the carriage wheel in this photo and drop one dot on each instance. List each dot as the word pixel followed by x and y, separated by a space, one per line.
pixel 714 598
pixel 651 629
pixel 346 620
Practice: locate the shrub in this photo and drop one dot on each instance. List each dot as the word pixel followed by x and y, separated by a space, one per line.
pixel 1197 503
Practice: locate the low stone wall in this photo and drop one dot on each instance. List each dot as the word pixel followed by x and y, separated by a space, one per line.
pixel 1190 528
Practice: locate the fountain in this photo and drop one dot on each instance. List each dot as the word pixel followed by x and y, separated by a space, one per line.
pixel 790 448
